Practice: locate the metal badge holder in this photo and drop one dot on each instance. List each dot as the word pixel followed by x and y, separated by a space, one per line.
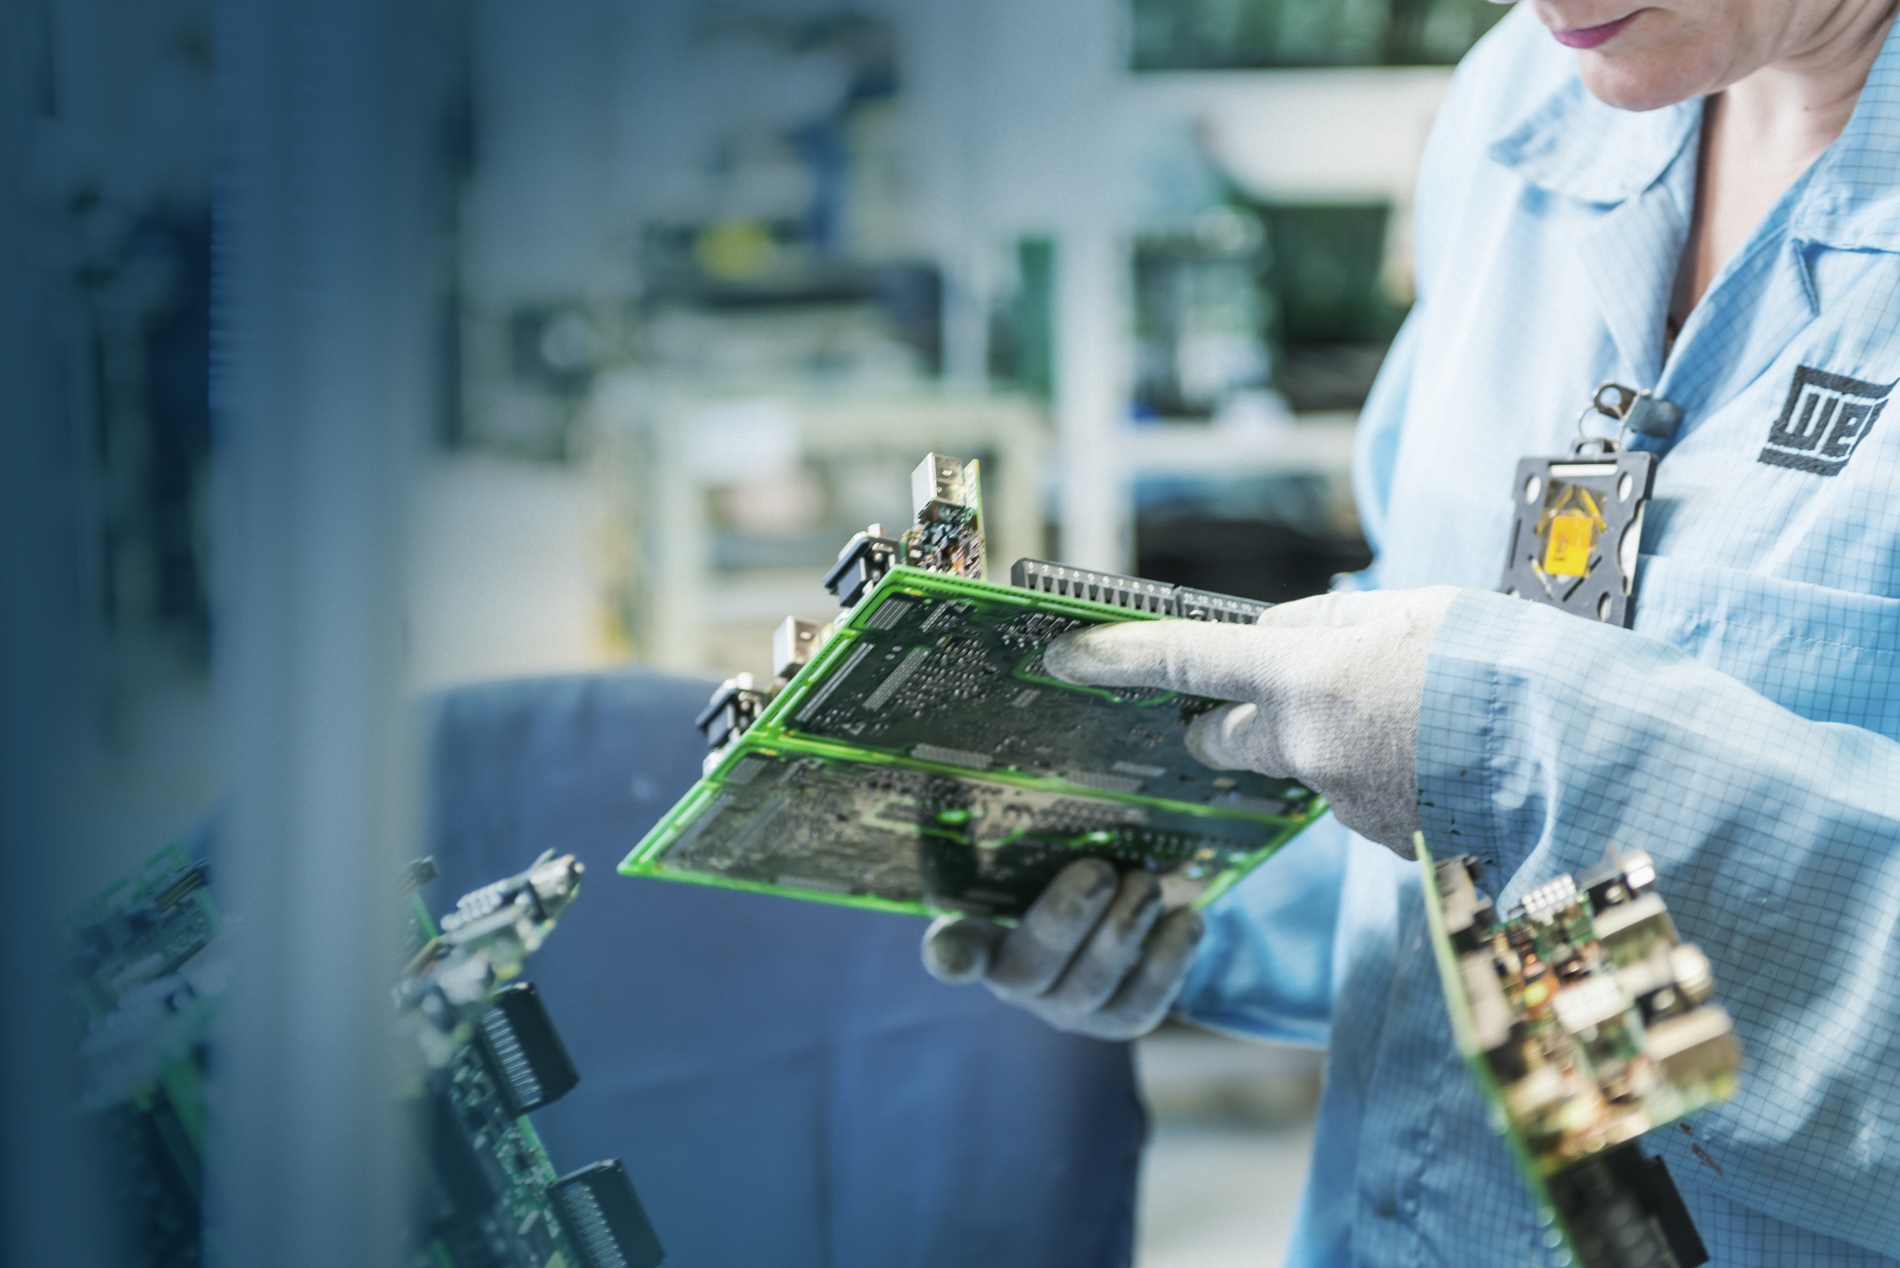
pixel 1579 521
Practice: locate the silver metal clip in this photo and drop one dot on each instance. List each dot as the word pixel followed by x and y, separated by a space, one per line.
pixel 1637 410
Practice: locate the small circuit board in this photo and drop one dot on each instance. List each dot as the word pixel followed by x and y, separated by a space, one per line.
pixel 151 971
pixel 916 755
pixel 1587 1022
pixel 148 981
pixel 490 1055
pixel 146 925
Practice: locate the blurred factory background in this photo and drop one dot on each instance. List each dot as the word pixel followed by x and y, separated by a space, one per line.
pixel 702 281
pixel 717 273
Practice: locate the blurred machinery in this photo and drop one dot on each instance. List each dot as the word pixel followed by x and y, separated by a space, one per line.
pixel 1338 301
pixel 1250 309
pixel 1264 323
pixel 1204 312
pixel 845 224
pixel 736 506
pixel 490 1195
pixel 1267 34
pixel 1282 533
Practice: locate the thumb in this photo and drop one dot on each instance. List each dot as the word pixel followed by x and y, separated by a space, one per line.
pixel 1218 739
pixel 958 949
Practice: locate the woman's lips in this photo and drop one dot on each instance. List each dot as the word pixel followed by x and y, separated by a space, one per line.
pixel 1591 36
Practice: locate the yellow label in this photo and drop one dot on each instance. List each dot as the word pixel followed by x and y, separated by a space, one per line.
pixel 1568 553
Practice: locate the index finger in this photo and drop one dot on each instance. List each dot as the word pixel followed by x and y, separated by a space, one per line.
pixel 1199 657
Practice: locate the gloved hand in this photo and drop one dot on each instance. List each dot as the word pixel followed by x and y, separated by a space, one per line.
pixel 1327 688
pixel 1327 692
pixel 1093 955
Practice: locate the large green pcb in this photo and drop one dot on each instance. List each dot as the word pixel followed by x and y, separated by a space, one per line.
pixel 925 762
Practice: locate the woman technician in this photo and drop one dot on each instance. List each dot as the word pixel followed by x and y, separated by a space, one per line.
pixel 1698 197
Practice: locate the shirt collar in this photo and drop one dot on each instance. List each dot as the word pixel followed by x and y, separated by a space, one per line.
pixel 1575 145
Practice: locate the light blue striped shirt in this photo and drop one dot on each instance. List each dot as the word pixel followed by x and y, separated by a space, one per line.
pixel 1744 732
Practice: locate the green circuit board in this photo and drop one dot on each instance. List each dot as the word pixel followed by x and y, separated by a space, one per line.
pixel 487 1194
pixel 141 951
pixel 1586 1023
pixel 143 926
pixel 150 972
pixel 924 761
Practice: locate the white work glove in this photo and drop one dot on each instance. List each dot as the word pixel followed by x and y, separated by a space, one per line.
pixel 1093 954
pixel 1327 692
pixel 1327 689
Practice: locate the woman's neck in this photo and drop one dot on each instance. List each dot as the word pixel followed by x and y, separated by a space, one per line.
pixel 1762 132
pixel 1799 104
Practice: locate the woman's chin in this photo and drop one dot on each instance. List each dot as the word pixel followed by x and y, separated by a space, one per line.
pixel 1626 84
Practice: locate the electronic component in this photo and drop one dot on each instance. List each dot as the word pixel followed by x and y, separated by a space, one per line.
pixel 736 705
pixel 921 759
pixel 524 1049
pixel 1587 1022
pixel 1620 1209
pixel 792 646
pixel 417 873
pixel 492 931
pixel 144 927
pixel 1131 592
pixel 149 980
pixel 947 501
pixel 862 564
pixel 486 1194
pixel 908 838
pixel 487 1174
pixel 492 1055
pixel 604 1218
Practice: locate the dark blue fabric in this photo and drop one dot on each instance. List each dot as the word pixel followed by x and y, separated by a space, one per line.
pixel 786 1084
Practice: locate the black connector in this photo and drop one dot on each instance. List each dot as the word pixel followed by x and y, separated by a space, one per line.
pixel 861 565
pixel 1623 1211
pixel 604 1219
pixel 417 874
pixel 1620 877
pixel 735 706
pixel 526 1052
pixel 1507 1061
pixel 1134 593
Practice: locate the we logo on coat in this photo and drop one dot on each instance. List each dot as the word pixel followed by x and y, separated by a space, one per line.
pixel 1824 421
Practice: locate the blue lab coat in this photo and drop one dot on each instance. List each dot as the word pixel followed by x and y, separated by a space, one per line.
pixel 1743 732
